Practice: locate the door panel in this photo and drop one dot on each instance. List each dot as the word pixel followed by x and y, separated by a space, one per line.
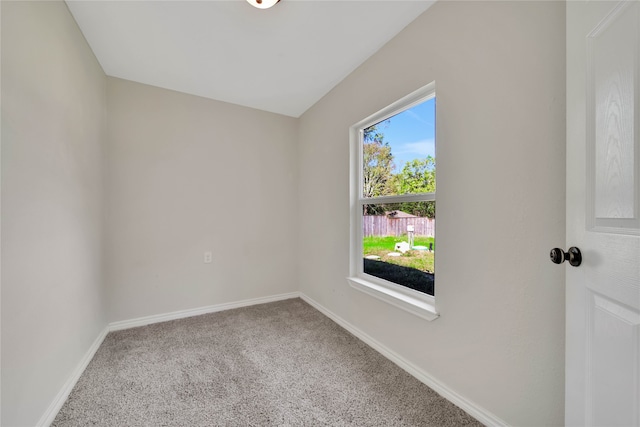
pixel 603 214
pixel 614 332
pixel 613 186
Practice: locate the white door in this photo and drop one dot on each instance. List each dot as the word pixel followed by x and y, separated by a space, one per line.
pixel 603 213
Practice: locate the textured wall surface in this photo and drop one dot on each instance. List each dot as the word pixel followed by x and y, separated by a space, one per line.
pixel 53 125
pixel 500 83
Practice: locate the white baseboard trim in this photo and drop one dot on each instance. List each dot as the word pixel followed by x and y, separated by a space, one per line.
pixel 63 394
pixel 157 318
pixel 468 406
pixel 482 415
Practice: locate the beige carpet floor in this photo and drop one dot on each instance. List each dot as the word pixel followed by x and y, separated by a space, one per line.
pixel 276 364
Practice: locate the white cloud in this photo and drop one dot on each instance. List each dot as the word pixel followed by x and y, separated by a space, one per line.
pixel 419 148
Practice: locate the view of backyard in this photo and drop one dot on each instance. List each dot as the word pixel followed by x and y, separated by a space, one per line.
pixel 419 259
pixel 398 184
pixel 413 269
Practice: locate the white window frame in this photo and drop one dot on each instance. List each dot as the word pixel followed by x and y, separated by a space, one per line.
pixel 418 303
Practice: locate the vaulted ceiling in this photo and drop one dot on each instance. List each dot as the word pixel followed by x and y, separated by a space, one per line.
pixel 282 59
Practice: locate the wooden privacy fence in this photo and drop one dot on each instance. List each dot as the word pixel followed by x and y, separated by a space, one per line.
pixel 382 225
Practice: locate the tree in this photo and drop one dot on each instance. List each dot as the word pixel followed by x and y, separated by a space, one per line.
pixel 377 168
pixel 417 176
pixel 377 165
pixel 372 133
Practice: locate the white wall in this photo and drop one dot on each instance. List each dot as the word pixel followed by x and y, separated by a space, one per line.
pixel 499 72
pixel 53 123
pixel 187 175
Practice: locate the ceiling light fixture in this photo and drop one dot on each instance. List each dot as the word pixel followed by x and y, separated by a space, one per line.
pixel 262 4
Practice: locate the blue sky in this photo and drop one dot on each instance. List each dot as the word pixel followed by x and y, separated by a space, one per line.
pixel 411 134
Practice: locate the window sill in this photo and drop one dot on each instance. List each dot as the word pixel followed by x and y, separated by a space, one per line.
pixel 406 302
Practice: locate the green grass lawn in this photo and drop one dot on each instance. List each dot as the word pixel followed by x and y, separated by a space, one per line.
pixel 382 245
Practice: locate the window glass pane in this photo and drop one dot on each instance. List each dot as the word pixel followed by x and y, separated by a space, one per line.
pixel 398 243
pixel 399 153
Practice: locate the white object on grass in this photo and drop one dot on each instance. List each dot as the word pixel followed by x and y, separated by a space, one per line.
pixel 402 247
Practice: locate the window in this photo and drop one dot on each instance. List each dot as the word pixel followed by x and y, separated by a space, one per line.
pixel 393 203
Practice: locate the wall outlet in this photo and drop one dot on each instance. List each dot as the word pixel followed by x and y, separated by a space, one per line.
pixel 208 257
